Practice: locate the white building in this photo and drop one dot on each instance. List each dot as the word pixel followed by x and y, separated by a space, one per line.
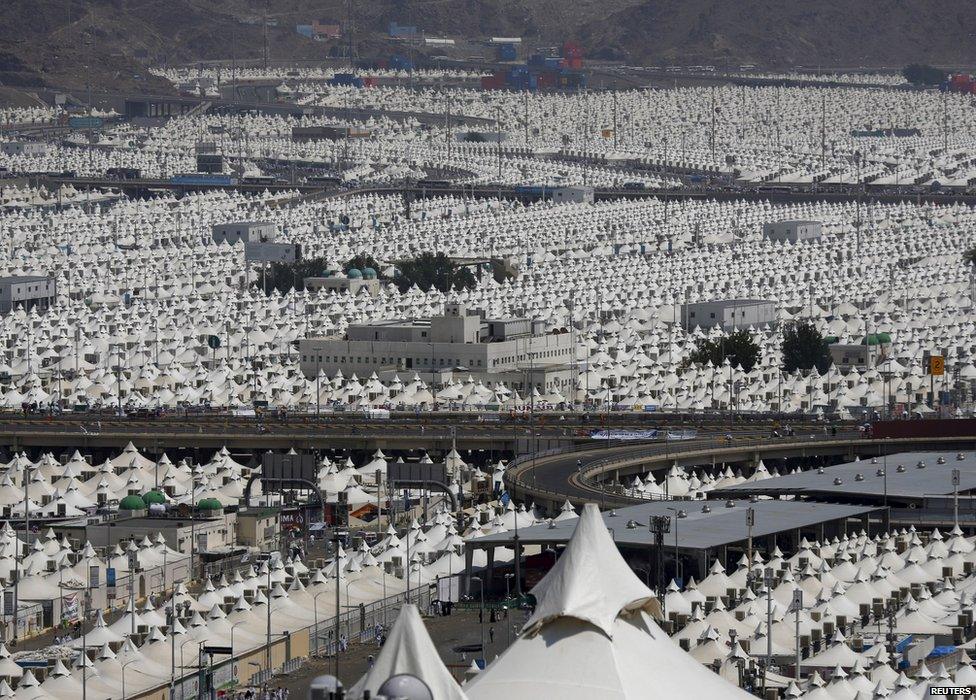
pixel 511 351
pixel 24 148
pixel 28 291
pixel 793 231
pixel 249 231
pixel 728 314
pixel 562 195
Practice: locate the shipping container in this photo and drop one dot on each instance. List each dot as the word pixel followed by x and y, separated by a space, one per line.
pixel 493 82
pixel 347 80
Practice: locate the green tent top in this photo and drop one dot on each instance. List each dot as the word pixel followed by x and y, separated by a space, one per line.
pixel 132 502
pixel 831 339
pixel 876 339
pixel 151 497
pixel 209 504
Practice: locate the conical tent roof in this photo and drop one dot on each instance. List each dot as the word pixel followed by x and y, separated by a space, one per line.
pixel 574 587
pixel 592 637
pixel 409 649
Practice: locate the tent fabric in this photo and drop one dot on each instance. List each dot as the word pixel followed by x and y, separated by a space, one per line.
pixel 590 581
pixel 409 649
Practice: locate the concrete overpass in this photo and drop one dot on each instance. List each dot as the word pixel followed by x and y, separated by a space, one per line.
pixel 592 473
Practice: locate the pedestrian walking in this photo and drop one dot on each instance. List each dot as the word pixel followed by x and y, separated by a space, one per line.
pixel 491 635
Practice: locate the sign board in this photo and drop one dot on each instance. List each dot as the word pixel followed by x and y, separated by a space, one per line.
pixel 208 649
pixel 279 466
pixel 272 252
pixel 936 365
pixel 416 472
pixel 213 342
pixel 31 663
pixel 93 577
pixel 955 477
pixel 751 517
pixel 797 602
pixel 110 576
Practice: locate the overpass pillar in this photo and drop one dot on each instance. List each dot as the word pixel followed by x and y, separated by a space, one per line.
pixel 468 566
pixel 490 571
pixel 701 564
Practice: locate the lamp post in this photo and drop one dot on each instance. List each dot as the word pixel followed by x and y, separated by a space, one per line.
pixel 678 513
pixel 315 612
pixel 481 588
pixel 188 641
pixel 660 525
pixel 508 577
pixel 239 622
pixel 123 675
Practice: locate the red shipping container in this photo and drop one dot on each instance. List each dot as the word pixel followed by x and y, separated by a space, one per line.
pixel 370 81
pixel 492 82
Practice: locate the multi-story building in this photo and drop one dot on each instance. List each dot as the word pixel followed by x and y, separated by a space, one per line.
pixel 248 231
pixel 29 291
pixel 793 231
pixel 513 352
pixel 728 314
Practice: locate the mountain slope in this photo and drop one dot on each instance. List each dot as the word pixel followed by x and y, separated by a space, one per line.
pixel 105 42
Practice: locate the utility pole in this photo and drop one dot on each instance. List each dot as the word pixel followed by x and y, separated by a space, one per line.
pixel 750 522
pixel 265 36
pixel 823 129
pixel 712 137
pixel 945 122
pixel 615 120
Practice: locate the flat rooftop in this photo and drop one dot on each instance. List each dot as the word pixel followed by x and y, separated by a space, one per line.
pixel 866 478
pixel 697 531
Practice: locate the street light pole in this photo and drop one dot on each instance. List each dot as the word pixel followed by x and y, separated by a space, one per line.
pixel 481 588
pixel 123 675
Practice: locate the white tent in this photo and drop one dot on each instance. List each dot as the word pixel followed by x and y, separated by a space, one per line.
pixel 409 649
pixel 592 636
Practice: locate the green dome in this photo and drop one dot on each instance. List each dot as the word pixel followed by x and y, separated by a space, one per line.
pixel 132 503
pixel 209 504
pixel 151 497
pixel 354 274
pixel 369 273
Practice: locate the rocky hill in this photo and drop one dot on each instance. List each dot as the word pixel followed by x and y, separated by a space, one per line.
pixel 107 42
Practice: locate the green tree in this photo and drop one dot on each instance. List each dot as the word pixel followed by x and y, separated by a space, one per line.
pixel 804 347
pixel 739 347
pixel 919 74
pixel 969 257
pixel 429 270
pixel 287 276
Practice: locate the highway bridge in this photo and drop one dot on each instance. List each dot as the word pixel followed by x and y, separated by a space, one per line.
pixel 592 472
pixel 500 435
pixel 141 187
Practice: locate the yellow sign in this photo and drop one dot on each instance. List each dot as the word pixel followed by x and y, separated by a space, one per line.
pixel 937 365
pixel 607 133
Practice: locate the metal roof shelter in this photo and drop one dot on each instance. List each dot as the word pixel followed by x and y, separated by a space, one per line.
pixel 709 529
pixel 899 479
